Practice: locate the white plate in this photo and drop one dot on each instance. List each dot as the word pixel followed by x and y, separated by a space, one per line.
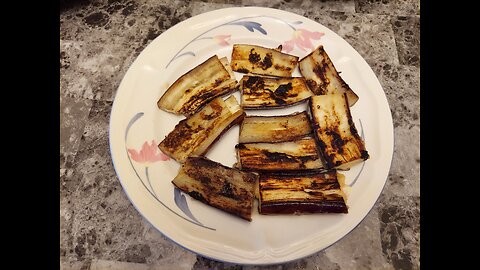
pixel 136 123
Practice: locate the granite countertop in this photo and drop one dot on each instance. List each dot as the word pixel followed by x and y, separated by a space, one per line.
pixel 99 39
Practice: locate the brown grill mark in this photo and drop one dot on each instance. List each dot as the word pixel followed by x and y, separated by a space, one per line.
pixel 336 141
pixel 337 147
pixel 222 187
pixel 218 82
pixel 312 85
pixel 253 57
pixel 252 158
pixel 353 130
pixel 279 67
pixel 279 157
pixel 282 90
pixel 181 130
pixel 320 69
pixel 227 190
pixel 262 60
pixel 196 195
pixel 240 146
pixel 194 89
pixel 198 101
pixel 267 61
pixel 311 193
pixel 254 83
pixel 270 92
pixel 278 100
pixel 194 135
pixel 243 70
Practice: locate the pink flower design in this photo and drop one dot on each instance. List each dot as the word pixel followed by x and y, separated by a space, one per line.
pixel 222 40
pixel 302 38
pixel 148 154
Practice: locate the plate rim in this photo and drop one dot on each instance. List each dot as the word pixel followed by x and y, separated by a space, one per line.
pixel 261 10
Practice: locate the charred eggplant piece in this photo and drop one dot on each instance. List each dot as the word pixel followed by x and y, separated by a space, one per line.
pixel 301 192
pixel 210 182
pixel 195 134
pixel 295 155
pixel 263 92
pixel 262 61
pixel 322 77
pixel 333 127
pixel 272 129
pixel 194 89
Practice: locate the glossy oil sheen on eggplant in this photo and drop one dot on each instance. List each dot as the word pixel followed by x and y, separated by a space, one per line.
pixel 262 61
pixel 280 128
pixel 294 155
pixel 322 77
pixel 301 192
pixel 336 134
pixel 193 90
pixel 195 134
pixel 225 188
pixel 263 92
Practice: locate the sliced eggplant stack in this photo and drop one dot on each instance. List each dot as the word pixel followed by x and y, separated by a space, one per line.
pixel 337 137
pixel 196 88
pixel 262 61
pixel 265 92
pixel 212 183
pixel 195 134
pixel 322 77
pixel 273 129
pixel 301 192
pixel 294 155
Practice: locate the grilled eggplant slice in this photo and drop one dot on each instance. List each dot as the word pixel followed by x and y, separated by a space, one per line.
pixel 210 182
pixel 295 155
pixel 301 192
pixel 262 61
pixel 322 77
pixel 271 129
pixel 193 90
pixel 333 127
pixel 227 66
pixel 195 134
pixel 263 92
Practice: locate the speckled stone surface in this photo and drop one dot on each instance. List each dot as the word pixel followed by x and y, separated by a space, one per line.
pixel 100 228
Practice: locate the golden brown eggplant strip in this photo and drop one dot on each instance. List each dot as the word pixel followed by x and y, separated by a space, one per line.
pixel 271 129
pixel 262 61
pixel 263 92
pixel 301 192
pixel 193 90
pixel 195 135
pixel 333 127
pixel 322 77
pixel 295 155
pixel 210 182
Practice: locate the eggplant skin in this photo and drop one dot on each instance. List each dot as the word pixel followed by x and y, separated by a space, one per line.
pixel 197 133
pixel 262 61
pixel 334 130
pixel 262 92
pixel 193 90
pixel 300 193
pixel 280 128
pixel 322 77
pixel 212 183
pixel 295 155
